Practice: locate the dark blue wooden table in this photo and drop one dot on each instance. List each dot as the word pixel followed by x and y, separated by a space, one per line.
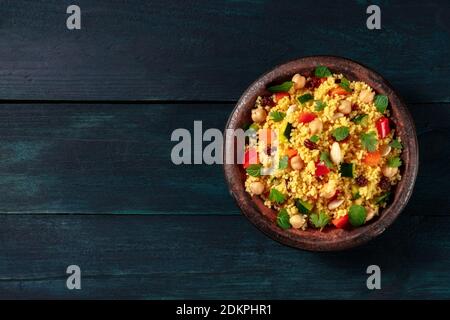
pixel 85 171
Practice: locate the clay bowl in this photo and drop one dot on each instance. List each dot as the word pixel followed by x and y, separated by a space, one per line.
pixel 330 239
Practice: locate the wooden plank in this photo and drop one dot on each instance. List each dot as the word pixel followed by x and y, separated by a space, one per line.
pixel 223 257
pixel 64 158
pixel 186 50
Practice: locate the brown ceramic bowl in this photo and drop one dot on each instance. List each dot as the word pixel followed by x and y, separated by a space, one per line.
pixel 329 239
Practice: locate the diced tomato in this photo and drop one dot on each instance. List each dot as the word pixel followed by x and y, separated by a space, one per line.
pixel 291 152
pixel 383 128
pixel 321 169
pixel 306 117
pixel 372 158
pixel 339 91
pixel 250 157
pixel 266 136
pixel 341 222
pixel 280 95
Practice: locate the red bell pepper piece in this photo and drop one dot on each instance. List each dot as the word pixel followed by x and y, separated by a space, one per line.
pixel 306 117
pixel 383 128
pixel 321 169
pixel 340 222
pixel 250 157
pixel 280 95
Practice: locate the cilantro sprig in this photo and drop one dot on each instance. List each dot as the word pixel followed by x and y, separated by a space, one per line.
pixel 322 72
pixel 381 102
pixel 394 162
pixel 319 105
pixel 305 97
pixel 340 133
pixel 254 170
pixel 325 157
pixel 319 220
pixel 345 84
pixel 283 163
pixel 276 196
pixel 369 141
pixel 277 116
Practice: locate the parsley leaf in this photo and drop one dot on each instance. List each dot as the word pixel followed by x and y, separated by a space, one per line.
pixel 357 215
pixel 319 220
pixel 277 115
pixel 394 162
pixel 284 87
pixel 254 170
pixel 395 144
pixel 305 98
pixel 283 163
pixel 369 141
pixel 345 84
pixel 314 138
pixel 276 196
pixel 381 102
pixel 283 219
pixel 340 133
pixel 320 105
pixel 325 157
pixel 322 72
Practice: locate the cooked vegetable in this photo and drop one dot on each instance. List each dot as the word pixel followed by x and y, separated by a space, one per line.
pixel 280 95
pixel 372 158
pixel 357 215
pixel 347 170
pixel 383 128
pixel 341 222
pixel 250 157
pixel 306 117
pixel 361 119
pixel 321 169
pixel 303 206
pixel 277 116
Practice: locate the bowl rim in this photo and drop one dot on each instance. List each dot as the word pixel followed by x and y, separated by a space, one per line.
pixel 338 239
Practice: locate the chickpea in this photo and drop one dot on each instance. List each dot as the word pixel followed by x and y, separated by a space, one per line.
pixel 389 172
pixel 316 126
pixel 345 107
pixel 257 187
pixel 328 190
pixel 366 96
pixel 297 221
pixel 299 81
pixel 297 163
pixel 259 115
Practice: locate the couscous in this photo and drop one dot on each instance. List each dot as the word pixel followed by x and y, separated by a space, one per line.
pixel 322 151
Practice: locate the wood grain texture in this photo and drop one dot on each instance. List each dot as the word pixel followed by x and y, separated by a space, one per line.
pixel 69 158
pixel 163 257
pixel 211 50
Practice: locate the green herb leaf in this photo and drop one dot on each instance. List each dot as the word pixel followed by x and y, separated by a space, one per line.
pixel 340 133
pixel 254 170
pixel 320 105
pixel 395 144
pixel 305 97
pixel 276 196
pixel 314 138
pixel 381 102
pixel 345 84
pixel 322 72
pixel 283 219
pixel 369 141
pixel 394 162
pixel 383 198
pixel 277 115
pixel 319 220
pixel 284 87
pixel 283 163
pixel 361 119
pixel 357 215
pixel 325 157
pixel 287 131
